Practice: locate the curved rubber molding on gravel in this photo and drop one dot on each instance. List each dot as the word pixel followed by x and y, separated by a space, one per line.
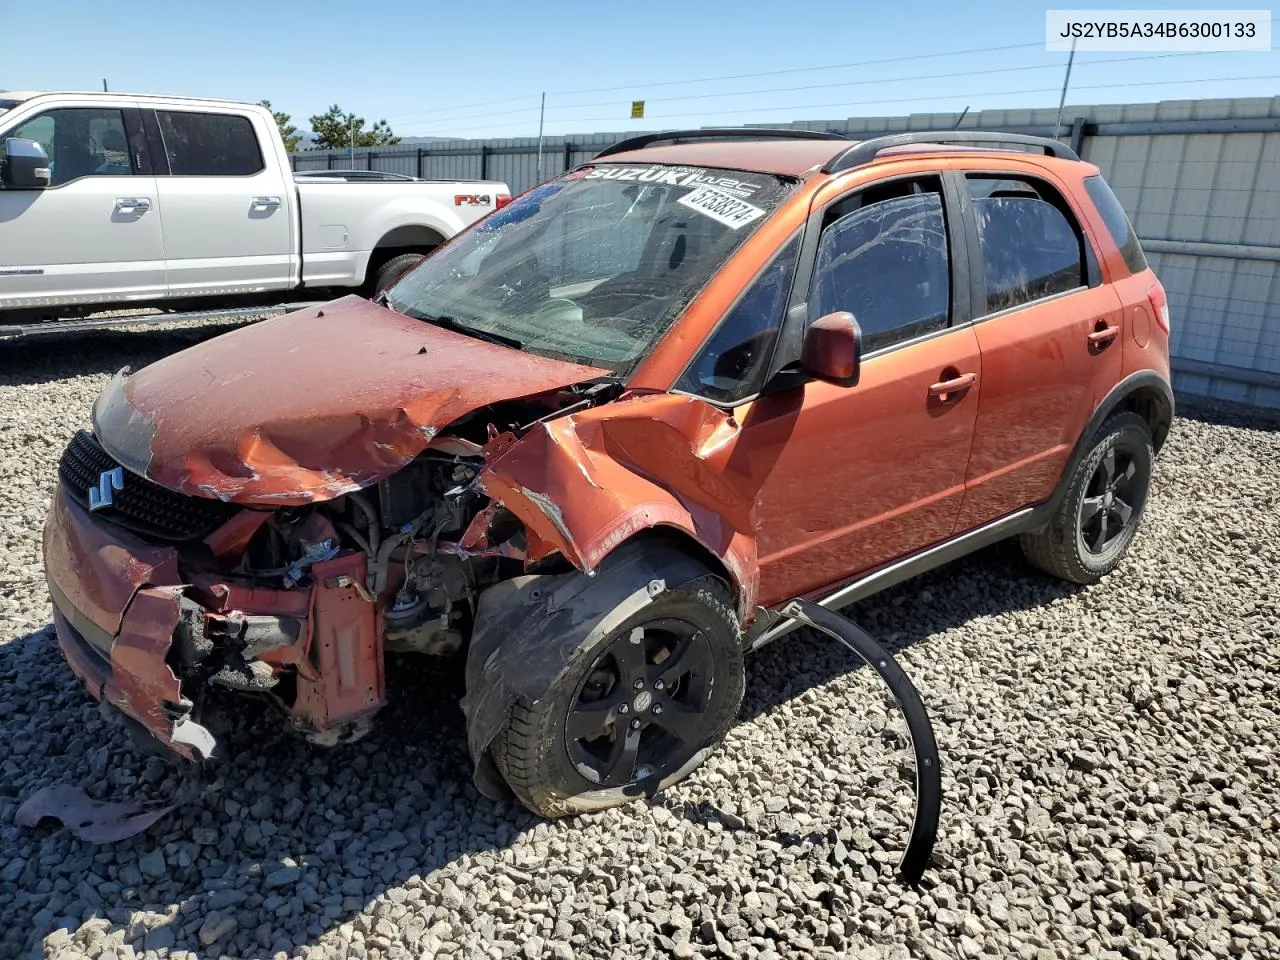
pixel 924 829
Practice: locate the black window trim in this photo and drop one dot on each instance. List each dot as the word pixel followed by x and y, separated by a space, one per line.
pixel 977 266
pixel 139 165
pixel 1132 231
pixel 164 152
pixel 787 352
pixel 763 377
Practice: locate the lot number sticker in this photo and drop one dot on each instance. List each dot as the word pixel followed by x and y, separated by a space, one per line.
pixel 730 211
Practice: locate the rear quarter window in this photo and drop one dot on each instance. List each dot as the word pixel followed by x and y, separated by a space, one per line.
pixel 210 144
pixel 1117 223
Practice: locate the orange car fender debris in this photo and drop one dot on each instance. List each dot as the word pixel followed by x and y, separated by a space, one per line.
pixel 588 482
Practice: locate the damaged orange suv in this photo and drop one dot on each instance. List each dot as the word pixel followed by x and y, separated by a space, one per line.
pixel 595 442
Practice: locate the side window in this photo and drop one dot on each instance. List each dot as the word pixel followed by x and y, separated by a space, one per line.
pixel 731 364
pixel 887 263
pixel 1032 246
pixel 1117 222
pixel 80 142
pixel 209 144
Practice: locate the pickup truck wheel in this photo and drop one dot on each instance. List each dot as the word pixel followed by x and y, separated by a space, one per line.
pixel 1092 528
pixel 636 712
pixel 394 269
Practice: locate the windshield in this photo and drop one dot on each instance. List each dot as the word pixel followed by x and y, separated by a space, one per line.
pixel 594 266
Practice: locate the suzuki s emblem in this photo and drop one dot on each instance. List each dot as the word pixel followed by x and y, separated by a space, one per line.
pixel 109 481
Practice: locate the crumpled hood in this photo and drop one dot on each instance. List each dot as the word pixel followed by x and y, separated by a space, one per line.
pixel 311 405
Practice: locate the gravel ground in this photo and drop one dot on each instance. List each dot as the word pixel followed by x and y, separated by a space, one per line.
pixel 1108 758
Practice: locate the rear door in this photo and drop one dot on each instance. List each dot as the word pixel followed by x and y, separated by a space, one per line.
pixel 94 234
pixel 227 205
pixel 1050 332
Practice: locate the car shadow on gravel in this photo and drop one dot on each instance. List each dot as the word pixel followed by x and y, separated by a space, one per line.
pixel 284 841
pixel 992 581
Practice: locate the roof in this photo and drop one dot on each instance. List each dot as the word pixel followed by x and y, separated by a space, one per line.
pixel 783 157
pixel 29 94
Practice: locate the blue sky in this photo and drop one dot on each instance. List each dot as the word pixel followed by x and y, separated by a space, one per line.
pixel 476 69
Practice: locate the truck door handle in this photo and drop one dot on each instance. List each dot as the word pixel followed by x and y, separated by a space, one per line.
pixel 1103 334
pixel 949 391
pixel 138 205
pixel 266 202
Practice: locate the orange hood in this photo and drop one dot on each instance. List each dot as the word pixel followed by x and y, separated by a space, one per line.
pixel 311 405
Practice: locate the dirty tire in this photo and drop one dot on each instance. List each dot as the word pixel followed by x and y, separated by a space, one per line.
pixel 1069 545
pixel 533 750
pixel 394 269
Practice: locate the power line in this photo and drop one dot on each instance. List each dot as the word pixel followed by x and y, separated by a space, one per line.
pixel 843 83
pixel 881 80
pixel 928 98
pixel 776 73
pixel 648 85
pixel 921 99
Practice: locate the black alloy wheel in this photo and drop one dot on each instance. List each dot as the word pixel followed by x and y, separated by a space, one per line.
pixel 642 707
pixel 1113 499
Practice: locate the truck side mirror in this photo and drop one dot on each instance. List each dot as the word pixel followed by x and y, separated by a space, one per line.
pixel 832 349
pixel 26 165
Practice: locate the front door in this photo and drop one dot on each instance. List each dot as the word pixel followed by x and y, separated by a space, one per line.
pixel 228 206
pixel 855 477
pixel 93 235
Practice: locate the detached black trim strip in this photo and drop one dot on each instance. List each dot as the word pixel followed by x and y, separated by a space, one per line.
pixel 924 830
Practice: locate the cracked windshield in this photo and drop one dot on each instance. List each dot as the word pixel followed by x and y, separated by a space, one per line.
pixel 594 266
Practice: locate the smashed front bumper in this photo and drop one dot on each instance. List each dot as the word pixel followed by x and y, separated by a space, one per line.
pixel 127 620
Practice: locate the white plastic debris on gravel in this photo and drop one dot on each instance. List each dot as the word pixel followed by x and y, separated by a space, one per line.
pixel 1108 755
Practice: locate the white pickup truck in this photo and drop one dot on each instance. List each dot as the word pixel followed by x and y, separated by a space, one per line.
pixel 111 201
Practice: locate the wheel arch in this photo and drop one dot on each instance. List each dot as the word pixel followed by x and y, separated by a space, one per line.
pixel 406 238
pixel 1145 393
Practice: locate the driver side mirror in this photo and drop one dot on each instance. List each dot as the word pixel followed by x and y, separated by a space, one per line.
pixel 832 349
pixel 26 165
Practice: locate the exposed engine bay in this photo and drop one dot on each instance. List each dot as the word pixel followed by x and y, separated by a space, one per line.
pixel 300 603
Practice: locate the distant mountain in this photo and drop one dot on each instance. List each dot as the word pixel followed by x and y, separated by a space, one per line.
pixel 308 141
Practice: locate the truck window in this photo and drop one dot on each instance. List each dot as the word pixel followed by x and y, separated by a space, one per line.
pixel 80 142
pixel 209 144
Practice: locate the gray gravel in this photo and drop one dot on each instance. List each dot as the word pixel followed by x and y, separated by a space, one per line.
pixel 1109 768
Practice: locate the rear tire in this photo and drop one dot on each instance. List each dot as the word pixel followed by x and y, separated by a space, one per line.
pixel 1091 530
pixel 604 731
pixel 395 268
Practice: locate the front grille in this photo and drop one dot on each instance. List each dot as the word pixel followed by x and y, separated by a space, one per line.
pixel 146 508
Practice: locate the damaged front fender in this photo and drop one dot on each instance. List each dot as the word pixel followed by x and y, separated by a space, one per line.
pixel 590 481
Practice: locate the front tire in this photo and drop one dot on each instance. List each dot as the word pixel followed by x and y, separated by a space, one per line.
pixel 1091 530
pixel 634 712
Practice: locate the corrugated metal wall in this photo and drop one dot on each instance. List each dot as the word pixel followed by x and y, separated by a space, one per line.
pixel 1199 178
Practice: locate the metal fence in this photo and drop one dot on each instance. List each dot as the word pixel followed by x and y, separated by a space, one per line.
pixel 1200 179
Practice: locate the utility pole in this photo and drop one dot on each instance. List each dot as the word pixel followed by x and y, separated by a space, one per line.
pixel 542 112
pixel 104 84
pixel 1065 80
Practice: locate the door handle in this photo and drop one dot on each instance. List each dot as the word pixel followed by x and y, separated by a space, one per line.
pixel 1103 334
pixel 948 391
pixel 266 202
pixel 137 205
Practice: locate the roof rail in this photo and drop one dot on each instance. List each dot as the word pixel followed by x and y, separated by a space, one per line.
pixel 865 151
pixel 714 133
